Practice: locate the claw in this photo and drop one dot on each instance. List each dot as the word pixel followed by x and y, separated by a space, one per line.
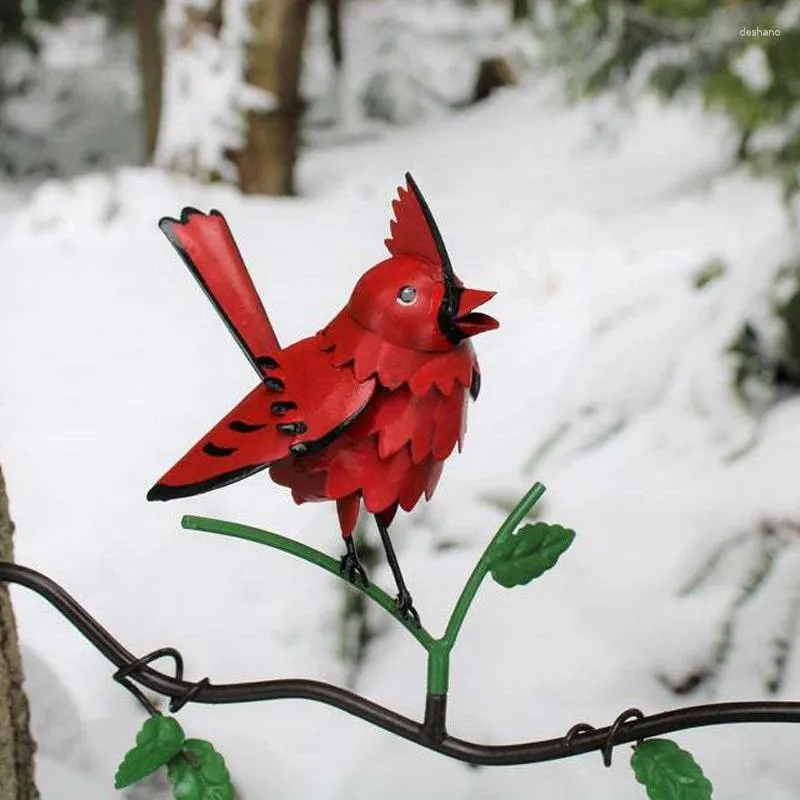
pixel 405 605
pixel 351 569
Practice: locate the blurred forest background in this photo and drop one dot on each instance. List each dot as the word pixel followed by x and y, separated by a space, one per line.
pixel 273 73
pixel 231 90
pixel 235 92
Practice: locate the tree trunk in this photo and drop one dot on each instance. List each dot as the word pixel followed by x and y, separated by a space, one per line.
pixel 12 19
pixel 274 62
pixel 520 9
pixel 16 744
pixel 335 38
pixel 151 67
pixel 493 73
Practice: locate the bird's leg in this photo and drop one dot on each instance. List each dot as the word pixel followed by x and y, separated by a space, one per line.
pixel 404 602
pixel 349 566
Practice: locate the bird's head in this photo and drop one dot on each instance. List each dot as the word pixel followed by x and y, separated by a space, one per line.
pixel 414 299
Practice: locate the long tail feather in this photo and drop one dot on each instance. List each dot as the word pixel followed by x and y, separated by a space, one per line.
pixel 207 247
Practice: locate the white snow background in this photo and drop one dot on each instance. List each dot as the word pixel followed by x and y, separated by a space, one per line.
pixel 591 226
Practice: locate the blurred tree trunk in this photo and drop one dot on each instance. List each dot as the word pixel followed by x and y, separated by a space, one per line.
pixel 231 103
pixel 151 66
pixel 335 38
pixel 344 104
pixel 12 18
pixel 493 73
pixel 16 743
pixel 274 61
pixel 520 9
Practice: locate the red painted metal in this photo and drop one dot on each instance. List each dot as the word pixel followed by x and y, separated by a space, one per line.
pixel 365 411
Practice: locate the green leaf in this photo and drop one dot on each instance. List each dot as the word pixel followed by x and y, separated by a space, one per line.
pixel 522 556
pixel 669 773
pixel 198 772
pixel 159 740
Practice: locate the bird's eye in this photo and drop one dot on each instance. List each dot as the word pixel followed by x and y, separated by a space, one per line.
pixel 407 296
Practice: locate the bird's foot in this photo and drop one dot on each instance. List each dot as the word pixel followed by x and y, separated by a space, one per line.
pixel 405 605
pixel 350 569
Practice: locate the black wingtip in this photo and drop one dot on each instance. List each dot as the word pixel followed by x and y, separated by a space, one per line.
pixel 160 492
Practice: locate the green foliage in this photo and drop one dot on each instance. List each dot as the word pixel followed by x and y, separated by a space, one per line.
pixel 668 79
pixel 750 361
pixel 18 19
pixel 711 271
pixel 518 558
pixel 198 772
pixel 775 367
pixel 789 313
pixel 159 740
pixel 677 9
pixel 669 773
pixel 740 57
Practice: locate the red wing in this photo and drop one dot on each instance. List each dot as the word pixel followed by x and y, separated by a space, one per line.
pixel 206 245
pixel 241 444
pixel 303 406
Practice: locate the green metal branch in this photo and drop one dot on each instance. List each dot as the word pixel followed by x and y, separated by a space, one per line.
pixel 438 649
pixel 520 511
pixel 311 555
pixel 439 653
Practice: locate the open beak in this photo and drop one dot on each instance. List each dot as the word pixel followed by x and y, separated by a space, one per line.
pixel 467 320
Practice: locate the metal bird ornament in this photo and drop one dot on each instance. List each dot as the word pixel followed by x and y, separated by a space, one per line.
pixel 366 410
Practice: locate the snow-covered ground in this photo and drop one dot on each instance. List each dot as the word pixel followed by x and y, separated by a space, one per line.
pixel 591 227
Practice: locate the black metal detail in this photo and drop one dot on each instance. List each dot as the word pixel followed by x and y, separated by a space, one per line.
pixel 244 427
pixel 452 291
pixel 608 745
pixel 433 728
pixel 576 730
pixel 448 311
pixel 122 675
pixel 165 224
pixel 292 428
pixel 274 384
pixel 447 266
pixel 582 740
pixel 350 566
pixel 280 407
pixel 177 703
pixel 404 601
pixel 162 491
pixel 475 384
pixel 301 449
pixel 267 362
pixel 211 449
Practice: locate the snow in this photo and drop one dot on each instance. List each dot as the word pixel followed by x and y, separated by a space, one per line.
pixel 403 61
pixel 753 68
pixel 608 381
pixel 206 96
pixel 82 86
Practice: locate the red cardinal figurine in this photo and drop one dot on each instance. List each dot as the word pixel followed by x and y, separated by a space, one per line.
pixel 368 409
